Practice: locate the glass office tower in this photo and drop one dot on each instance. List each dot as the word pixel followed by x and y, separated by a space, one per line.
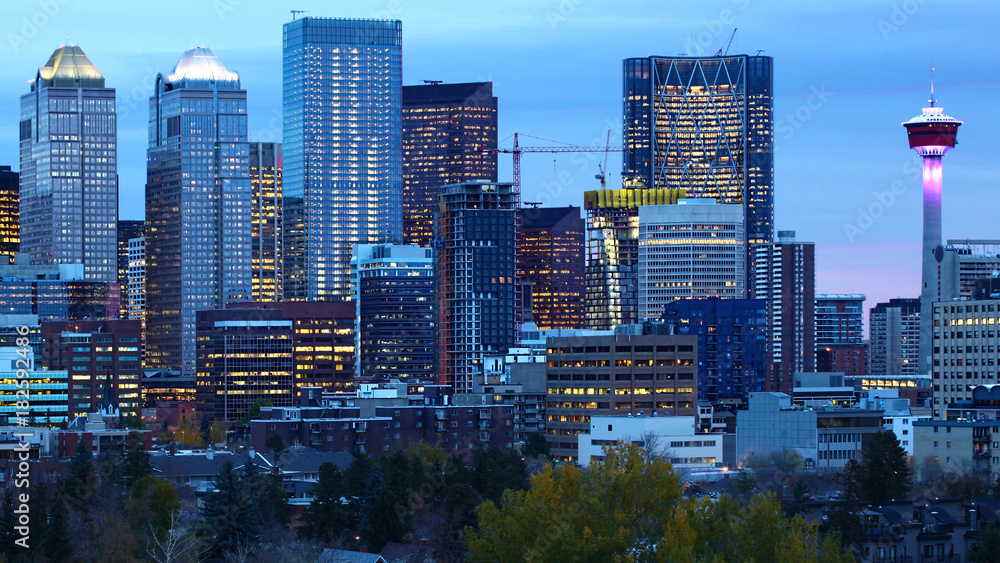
pixel 342 89
pixel 265 184
pixel 198 204
pixel 705 125
pixel 69 167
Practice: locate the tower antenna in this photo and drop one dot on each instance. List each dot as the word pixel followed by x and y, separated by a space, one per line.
pixel 932 100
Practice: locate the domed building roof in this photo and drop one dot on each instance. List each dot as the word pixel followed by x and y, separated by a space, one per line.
pixel 69 67
pixel 198 67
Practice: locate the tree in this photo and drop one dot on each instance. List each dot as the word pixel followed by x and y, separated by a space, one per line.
pixel 276 444
pixel 8 520
pixel 177 544
pixel 535 444
pixel 153 504
pixel 267 493
pixel 987 544
pixel 217 432
pixel 496 472
pixel 254 410
pixel 326 519
pixel 79 486
pixel 134 462
pixel 883 473
pixel 229 514
pixel 800 496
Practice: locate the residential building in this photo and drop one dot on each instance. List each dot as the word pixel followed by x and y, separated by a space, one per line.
pixel 612 282
pixel 825 438
pixel 266 228
pixel 966 351
pixel 477 291
pixel 94 351
pixel 69 167
pixel 959 445
pixel 692 250
pixel 894 328
pixel 47 391
pixel 839 319
pixel 198 217
pixel 623 374
pixel 974 260
pixel 897 415
pixel 852 359
pixel 342 177
pixel 704 125
pixel 394 290
pixel 732 344
pixel 672 437
pixel 135 290
pixel 784 274
pixel 551 266
pixel 10 213
pixel 127 230
pixel 449 137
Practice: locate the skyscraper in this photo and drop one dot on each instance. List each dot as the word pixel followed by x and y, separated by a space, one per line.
pixel 266 243
pixel 839 319
pixel 691 250
pixel 69 167
pixel 342 90
pixel 612 283
pixel 894 328
pixel 551 265
pixel 127 230
pixel 705 125
pixel 10 212
pixel 198 204
pixel 784 274
pixel 443 126
pixel 394 288
pixel 477 292
pixel 134 293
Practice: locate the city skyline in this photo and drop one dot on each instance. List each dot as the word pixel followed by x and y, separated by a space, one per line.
pixel 869 62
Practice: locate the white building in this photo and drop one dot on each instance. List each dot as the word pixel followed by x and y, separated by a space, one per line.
pixel 897 415
pixel 690 250
pixel 672 437
pixel 135 293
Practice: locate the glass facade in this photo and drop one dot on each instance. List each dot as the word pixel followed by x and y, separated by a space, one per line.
pixel 57 299
pixel 198 204
pixel 342 95
pixel 69 167
pixel 705 125
pixel 10 223
pixel 551 266
pixel 127 230
pixel 265 185
pixel 444 126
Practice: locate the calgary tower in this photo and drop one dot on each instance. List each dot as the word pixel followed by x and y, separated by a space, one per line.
pixel 932 134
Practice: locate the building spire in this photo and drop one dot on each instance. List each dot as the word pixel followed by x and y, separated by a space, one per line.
pixel 932 100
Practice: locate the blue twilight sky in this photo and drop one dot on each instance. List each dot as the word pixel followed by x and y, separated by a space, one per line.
pixel 847 74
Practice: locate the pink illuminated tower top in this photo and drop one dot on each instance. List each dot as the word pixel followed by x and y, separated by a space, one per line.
pixel 932 133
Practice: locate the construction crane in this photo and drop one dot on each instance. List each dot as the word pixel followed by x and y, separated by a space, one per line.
pixel 720 52
pixel 604 169
pixel 296 12
pixel 432 82
pixel 533 204
pixel 517 150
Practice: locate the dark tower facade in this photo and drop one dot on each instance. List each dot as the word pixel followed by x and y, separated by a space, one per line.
pixel 10 223
pixel 551 265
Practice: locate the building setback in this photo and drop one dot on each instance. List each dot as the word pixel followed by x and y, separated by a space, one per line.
pixel 551 266
pixel 894 328
pixel 603 375
pixel 266 227
pixel 342 94
pixel 69 167
pixel 478 297
pixel 449 131
pixel 198 204
pixel 10 213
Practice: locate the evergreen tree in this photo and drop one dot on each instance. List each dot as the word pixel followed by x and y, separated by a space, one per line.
pixel 53 534
pixel 79 486
pixel 535 445
pixel 326 519
pixel 800 496
pixel 230 518
pixel 987 546
pixel 268 494
pixel 496 472
pixel 8 520
pixel 134 463
pixel 883 473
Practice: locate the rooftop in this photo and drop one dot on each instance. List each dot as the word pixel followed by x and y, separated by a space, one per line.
pixel 69 67
pixel 198 67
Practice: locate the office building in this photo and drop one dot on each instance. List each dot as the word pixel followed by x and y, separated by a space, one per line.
pixel 477 290
pixel 135 290
pixel 672 437
pixel 692 250
pixel 784 274
pixel 10 213
pixel 605 375
pixel 612 282
pixel 732 344
pixel 127 230
pixel 243 358
pixel 448 131
pixel 551 266
pixel 47 403
pixel 266 230
pixel 69 167
pixel 54 292
pixel 704 125
pixel 92 351
pixel 965 351
pixel 394 294
pixel 198 216
pixel 342 97
pixel 894 328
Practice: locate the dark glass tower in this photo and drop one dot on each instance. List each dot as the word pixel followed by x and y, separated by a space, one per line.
pixel 444 125
pixel 10 223
pixel 127 230
pixel 342 90
pixel 551 263
pixel 704 125
pixel 69 167
pixel 198 204
pixel 265 185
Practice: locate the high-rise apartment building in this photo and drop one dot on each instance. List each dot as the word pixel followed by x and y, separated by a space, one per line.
pixel 135 290
pixel 342 90
pixel 894 331
pixel 965 349
pixel 839 319
pixel 477 292
pixel 691 250
pixel 784 274
pixel 10 213
pixel 198 204
pixel 266 231
pixel 445 126
pixel 394 290
pixel 69 167
pixel 704 125
pixel 127 230
pixel 612 283
pixel 551 266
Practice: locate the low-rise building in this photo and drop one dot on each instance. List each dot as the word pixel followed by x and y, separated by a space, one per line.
pixel 674 438
pixel 959 445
